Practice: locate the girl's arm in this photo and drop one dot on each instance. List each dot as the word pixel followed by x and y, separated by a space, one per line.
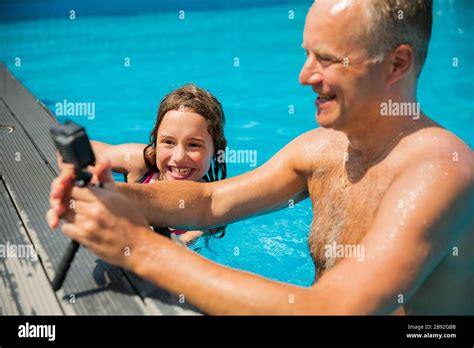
pixel 125 158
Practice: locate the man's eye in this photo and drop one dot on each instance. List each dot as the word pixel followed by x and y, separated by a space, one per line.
pixel 326 59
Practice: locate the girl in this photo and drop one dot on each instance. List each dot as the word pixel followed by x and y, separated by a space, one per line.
pixel 184 144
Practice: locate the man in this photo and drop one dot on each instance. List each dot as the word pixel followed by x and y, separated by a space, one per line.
pixel 400 189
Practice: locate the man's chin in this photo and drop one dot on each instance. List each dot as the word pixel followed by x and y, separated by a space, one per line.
pixel 327 119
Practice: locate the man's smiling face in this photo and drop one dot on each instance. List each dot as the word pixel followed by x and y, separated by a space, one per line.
pixel 349 85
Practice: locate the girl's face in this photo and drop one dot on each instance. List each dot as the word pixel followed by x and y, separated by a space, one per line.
pixel 184 148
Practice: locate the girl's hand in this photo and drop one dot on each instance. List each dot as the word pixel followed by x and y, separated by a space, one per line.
pixel 190 236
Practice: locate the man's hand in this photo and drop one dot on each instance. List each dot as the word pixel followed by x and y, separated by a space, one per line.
pixel 104 221
pixel 60 194
pixel 99 218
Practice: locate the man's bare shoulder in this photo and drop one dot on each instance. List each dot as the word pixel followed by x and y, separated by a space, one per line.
pixel 316 149
pixel 320 137
pixel 439 145
pixel 437 158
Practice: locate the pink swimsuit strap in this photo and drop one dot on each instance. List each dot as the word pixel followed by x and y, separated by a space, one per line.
pixel 178 231
pixel 151 178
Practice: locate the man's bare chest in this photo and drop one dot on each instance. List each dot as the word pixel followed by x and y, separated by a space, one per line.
pixel 343 215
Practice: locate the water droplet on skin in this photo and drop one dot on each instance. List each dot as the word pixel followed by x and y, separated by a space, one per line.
pixel 394 231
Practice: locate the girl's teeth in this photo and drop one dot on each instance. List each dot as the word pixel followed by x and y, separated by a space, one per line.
pixel 182 171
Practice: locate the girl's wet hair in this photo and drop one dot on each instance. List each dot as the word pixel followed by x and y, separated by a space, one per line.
pixel 192 98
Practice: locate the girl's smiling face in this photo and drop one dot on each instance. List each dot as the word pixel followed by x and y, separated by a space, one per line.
pixel 184 147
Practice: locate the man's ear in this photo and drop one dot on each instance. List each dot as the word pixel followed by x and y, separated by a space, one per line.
pixel 401 61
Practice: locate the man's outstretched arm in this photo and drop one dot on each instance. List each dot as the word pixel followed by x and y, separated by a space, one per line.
pixel 401 249
pixel 192 205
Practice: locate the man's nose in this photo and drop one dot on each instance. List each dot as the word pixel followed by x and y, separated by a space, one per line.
pixel 309 74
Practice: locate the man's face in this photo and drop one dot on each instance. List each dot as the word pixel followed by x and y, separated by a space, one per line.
pixel 349 86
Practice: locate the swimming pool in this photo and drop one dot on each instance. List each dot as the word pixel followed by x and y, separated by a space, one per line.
pixel 249 57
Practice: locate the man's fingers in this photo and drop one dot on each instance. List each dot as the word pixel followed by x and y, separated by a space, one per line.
pixel 81 208
pixel 102 171
pixel 67 174
pixel 70 215
pixel 59 206
pixel 75 233
pixel 57 189
pixel 52 218
pixel 84 228
pixel 86 194
pixel 61 184
pixel 59 195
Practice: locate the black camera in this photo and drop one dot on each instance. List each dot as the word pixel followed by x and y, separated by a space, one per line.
pixel 74 146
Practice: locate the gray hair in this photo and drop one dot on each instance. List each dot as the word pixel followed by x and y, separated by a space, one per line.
pixel 396 22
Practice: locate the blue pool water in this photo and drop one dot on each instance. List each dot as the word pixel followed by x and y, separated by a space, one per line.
pixel 83 60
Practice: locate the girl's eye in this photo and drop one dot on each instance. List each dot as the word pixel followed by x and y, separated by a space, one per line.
pixel 194 145
pixel 167 141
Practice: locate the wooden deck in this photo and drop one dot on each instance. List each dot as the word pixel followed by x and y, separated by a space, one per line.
pixel 27 167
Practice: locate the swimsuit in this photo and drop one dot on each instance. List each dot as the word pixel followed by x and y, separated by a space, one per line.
pixel 149 177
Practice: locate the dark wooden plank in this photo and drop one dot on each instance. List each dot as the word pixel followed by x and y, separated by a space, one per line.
pixel 96 287
pixel 31 113
pixel 24 286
